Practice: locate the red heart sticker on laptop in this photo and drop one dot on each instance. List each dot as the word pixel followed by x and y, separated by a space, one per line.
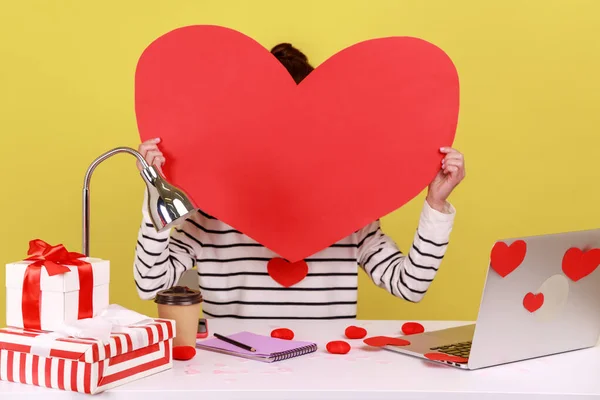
pixel 505 259
pixel 296 167
pixel 446 357
pixel 380 341
pixel 532 302
pixel 286 273
pixel 578 264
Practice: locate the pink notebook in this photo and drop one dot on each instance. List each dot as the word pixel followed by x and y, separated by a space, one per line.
pixel 268 349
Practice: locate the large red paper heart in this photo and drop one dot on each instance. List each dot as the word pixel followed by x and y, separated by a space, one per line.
pixel 296 167
pixel 505 259
pixel 286 273
pixel 577 264
pixel 532 302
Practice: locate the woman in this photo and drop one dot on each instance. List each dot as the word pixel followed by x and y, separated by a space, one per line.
pixel 232 268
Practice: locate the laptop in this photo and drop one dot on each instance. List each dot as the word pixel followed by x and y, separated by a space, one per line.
pixel 515 322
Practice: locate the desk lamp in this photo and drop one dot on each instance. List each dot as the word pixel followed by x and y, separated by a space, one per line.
pixel 168 205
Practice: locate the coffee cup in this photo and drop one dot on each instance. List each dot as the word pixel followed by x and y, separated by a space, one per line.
pixel 182 305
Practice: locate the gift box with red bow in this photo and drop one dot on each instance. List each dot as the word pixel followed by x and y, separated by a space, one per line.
pixel 91 355
pixel 53 286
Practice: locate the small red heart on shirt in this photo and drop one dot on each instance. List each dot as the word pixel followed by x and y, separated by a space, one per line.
pixel 183 353
pixel 445 357
pixel 577 264
pixel 282 333
pixel 279 159
pixel 412 328
pixel 355 332
pixel 532 302
pixel 505 259
pixel 286 273
pixel 380 341
pixel 338 347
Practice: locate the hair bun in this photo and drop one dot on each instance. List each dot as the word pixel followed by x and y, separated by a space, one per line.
pixel 293 60
pixel 287 51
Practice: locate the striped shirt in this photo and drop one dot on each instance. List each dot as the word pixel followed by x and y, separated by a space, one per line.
pixel 233 277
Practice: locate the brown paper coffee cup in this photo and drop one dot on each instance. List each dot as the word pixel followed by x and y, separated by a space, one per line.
pixel 181 304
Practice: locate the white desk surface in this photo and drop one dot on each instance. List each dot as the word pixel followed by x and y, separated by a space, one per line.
pixel 363 373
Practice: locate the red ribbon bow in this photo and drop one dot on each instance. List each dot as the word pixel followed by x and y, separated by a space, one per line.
pixel 55 260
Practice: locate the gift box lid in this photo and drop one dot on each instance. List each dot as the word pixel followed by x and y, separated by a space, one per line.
pixel 87 350
pixel 67 282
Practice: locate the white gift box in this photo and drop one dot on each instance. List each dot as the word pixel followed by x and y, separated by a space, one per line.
pixel 59 297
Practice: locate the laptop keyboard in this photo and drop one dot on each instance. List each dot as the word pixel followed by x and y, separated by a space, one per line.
pixel 462 349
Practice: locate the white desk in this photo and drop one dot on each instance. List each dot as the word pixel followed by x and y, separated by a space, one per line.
pixel 364 373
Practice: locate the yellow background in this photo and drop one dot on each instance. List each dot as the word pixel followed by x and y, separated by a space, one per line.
pixel 529 121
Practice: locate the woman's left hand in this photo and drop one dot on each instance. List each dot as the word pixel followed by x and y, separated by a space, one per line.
pixel 449 176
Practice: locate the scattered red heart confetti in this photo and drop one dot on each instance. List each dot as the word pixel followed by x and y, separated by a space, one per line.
pixel 532 302
pixel 282 333
pixel 355 332
pixel 505 259
pixel 412 328
pixel 286 273
pixel 338 347
pixel 445 357
pixel 380 341
pixel 577 264
pixel 183 353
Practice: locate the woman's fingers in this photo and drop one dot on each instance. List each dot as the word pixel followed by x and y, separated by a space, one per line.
pixel 448 150
pixel 151 153
pixel 147 146
pixel 449 169
pixel 455 162
pixel 452 159
pixel 454 156
pixel 155 157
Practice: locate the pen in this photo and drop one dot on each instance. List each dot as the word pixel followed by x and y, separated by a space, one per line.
pixel 235 343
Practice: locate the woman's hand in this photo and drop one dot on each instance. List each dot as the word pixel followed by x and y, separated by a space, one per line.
pixel 151 153
pixel 449 176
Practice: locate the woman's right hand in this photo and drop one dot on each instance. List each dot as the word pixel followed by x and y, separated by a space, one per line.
pixel 152 154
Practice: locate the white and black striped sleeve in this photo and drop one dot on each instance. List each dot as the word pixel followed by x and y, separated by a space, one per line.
pixel 160 258
pixel 407 276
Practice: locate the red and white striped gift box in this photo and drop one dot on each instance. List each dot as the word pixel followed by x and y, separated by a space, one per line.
pixel 86 365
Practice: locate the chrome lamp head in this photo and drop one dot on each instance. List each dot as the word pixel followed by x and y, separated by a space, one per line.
pixel 168 205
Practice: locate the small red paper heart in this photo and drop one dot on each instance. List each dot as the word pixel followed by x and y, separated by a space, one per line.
pixel 355 332
pixel 505 259
pixel 286 273
pixel 532 302
pixel 412 328
pixel 577 264
pixel 380 341
pixel 282 333
pixel 445 357
pixel 338 347
pixel 183 353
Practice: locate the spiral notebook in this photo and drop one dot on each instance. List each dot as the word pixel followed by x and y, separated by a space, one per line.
pixel 268 349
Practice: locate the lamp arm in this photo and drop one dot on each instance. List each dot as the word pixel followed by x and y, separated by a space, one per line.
pixel 86 190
